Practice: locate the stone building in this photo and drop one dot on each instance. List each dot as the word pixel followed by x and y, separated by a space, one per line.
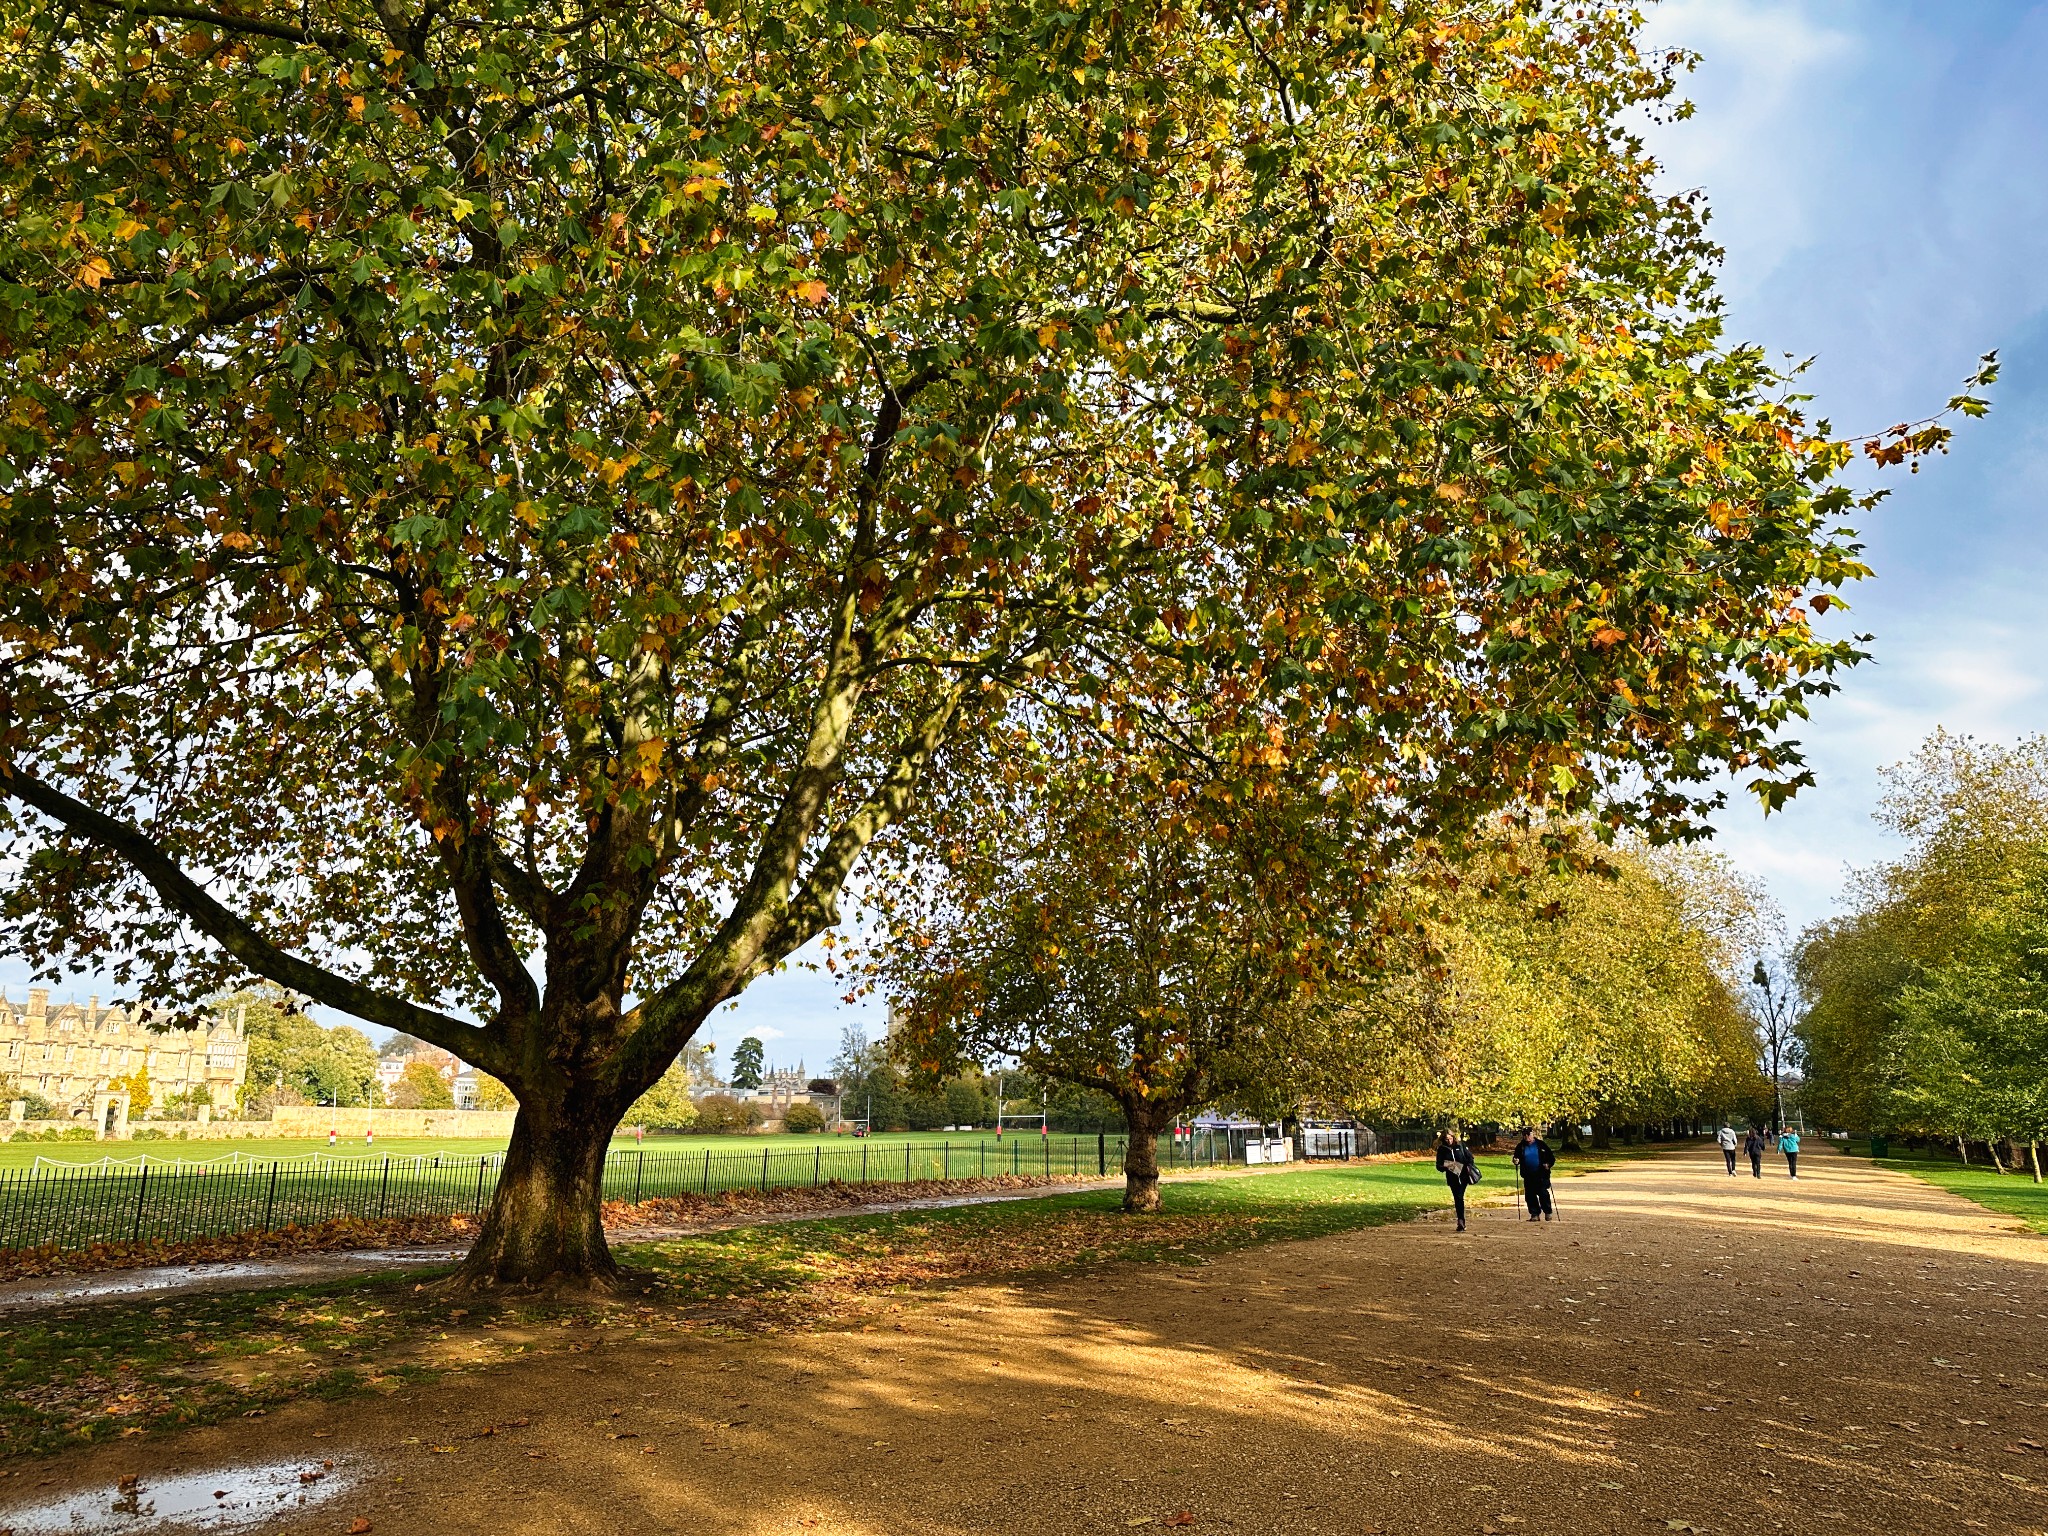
pixel 70 1054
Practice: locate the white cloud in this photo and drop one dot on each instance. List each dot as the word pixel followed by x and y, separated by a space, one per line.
pixel 1761 70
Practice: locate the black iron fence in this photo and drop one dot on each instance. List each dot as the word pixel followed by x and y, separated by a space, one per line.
pixel 53 1205
pixel 74 1207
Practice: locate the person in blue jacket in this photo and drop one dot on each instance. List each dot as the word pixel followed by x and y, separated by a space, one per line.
pixel 1788 1143
pixel 1533 1162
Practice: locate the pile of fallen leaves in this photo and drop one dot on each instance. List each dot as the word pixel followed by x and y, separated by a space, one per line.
pixel 348 1232
pixel 769 1279
pixel 829 1199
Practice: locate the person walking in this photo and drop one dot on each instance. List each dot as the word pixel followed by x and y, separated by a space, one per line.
pixel 1727 1140
pixel 1533 1161
pixel 1788 1143
pixel 1753 1149
pixel 1454 1162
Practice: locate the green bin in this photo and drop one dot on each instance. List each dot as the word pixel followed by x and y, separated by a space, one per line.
pixel 1880 1147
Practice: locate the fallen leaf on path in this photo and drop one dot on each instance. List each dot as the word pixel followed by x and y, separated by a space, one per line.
pixel 359 1526
pixel 1183 1517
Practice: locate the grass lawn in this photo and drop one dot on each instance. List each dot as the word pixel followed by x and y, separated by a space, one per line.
pixel 2009 1194
pixel 22 1154
pixel 94 1372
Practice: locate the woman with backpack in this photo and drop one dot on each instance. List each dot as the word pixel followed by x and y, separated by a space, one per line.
pixel 1454 1162
pixel 1753 1149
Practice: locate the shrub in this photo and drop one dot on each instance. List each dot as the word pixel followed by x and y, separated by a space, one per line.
pixel 721 1113
pixel 806 1119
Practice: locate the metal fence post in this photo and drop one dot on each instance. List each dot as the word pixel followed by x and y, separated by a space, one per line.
pixel 479 1207
pixel 863 1161
pixel 906 1162
pixel 639 1168
pixel 946 1167
pixel 270 1200
pixel 384 1189
pixel 140 1190
pixel 817 1165
pixel 764 1170
pixel 707 1170
pixel 1101 1154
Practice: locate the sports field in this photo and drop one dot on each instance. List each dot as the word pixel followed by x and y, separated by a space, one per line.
pixel 24 1154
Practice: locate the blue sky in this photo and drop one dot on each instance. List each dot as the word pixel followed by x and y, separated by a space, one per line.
pixel 1876 175
pixel 1875 172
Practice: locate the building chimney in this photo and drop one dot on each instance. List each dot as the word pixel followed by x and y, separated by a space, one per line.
pixel 38 1001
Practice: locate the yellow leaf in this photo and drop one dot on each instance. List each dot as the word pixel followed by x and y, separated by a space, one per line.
pixel 812 292
pixel 93 273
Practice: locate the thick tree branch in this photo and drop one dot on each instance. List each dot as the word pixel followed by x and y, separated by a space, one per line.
pixel 253 26
pixel 183 895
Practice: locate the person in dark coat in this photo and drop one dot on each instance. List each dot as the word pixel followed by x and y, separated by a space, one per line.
pixel 1533 1162
pixel 1753 1149
pixel 1454 1162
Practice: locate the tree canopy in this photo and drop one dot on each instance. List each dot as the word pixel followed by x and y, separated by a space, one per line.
pixel 1537 996
pixel 504 506
pixel 1927 1005
pixel 293 1058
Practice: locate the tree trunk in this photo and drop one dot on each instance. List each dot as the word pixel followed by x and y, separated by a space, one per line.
pixel 2034 1159
pixel 1963 1148
pixel 545 1225
pixel 1141 1156
pixel 1997 1162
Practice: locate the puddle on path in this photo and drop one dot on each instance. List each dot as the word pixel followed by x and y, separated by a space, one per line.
pixel 228 1276
pixel 224 1499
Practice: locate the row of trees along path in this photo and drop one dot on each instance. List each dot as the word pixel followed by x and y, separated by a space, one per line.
pixel 508 507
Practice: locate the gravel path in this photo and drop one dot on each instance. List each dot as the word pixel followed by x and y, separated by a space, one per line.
pixel 1680 1351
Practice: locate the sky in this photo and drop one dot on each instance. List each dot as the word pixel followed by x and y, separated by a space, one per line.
pixel 1875 172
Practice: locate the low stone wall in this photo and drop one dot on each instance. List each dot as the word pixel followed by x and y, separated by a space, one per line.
pixel 37 1127
pixel 296 1122
pixel 312 1120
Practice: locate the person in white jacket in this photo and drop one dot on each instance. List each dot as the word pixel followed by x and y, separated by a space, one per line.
pixel 1727 1139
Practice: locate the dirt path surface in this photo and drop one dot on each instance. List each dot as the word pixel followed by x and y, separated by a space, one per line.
pixel 1681 1351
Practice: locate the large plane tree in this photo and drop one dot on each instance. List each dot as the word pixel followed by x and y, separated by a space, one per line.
pixel 503 505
